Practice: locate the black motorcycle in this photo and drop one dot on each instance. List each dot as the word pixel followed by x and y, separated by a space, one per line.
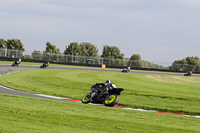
pixel 16 63
pixel 103 93
pixel 44 65
pixel 126 70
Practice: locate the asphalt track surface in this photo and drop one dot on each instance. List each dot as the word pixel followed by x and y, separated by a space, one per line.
pixel 4 69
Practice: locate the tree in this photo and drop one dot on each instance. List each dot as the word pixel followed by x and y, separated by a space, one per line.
pixel 17 48
pixel 135 60
pixel 50 48
pixel 28 57
pixel 72 49
pixel 112 52
pixel 15 44
pixel 37 55
pixel 135 57
pixel 3 43
pixel 193 60
pixel 113 55
pixel 88 49
pixel 186 64
pixel 83 51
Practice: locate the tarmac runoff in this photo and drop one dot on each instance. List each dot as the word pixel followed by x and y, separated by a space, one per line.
pixel 7 90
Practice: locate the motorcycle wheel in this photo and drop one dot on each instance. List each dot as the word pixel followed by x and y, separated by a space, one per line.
pixel 86 98
pixel 111 102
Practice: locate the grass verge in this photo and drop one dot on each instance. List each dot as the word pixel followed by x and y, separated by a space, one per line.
pixel 27 115
pixel 177 94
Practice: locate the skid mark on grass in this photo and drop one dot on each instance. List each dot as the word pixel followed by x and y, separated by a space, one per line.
pixel 193 80
pixel 163 78
pixel 175 79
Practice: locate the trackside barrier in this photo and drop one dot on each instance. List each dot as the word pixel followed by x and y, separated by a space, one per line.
pixel 37 56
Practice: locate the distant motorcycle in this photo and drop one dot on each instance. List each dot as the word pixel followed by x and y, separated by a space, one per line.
pixel 103 93
pixel 44 65
pixel 16 63
pixel 126 70
pixel 188 73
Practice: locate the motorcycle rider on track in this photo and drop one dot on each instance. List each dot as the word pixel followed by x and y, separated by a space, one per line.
pixel 45 64
pixel 17 62
pixel 104 93
pixel 105 87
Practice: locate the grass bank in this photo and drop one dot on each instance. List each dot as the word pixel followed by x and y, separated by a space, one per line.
pixel 27 115
pixel 177 94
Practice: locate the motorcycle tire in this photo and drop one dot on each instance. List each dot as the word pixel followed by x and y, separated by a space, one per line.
pixel 111 102
pixel 13 64
pixel 86 98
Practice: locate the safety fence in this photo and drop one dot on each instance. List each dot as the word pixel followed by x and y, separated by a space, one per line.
pixel 37 56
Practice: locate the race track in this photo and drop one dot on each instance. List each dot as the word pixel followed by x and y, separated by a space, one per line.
pixel 6 69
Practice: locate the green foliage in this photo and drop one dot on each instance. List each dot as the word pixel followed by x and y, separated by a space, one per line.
pixel 51 53
pixel 135 61
pixel 112 52
pixel 72 49
pixel 147 64
pixel 37 55
pixel 135 57
pixel 28 57
pixel 35 115
pixel 186 64
pixel 84 49
pixel 153 92
pixel 88 49
pixel 15 44
pixel 189 61
pixel 50 48
pixel 3 43
pixel 193 60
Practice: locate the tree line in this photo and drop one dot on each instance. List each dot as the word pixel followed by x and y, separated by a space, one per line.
pixel 90 50
pixel 187 64
pixel 74 48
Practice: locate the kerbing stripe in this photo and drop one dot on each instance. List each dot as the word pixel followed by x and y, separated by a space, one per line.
pixel 54 97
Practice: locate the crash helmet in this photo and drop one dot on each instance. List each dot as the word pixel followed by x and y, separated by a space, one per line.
pixel 108 81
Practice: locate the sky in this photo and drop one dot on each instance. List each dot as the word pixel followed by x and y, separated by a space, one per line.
pixel 160 31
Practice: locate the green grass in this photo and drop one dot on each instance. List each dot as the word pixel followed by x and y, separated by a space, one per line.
pixel 177 94
pixel 31 115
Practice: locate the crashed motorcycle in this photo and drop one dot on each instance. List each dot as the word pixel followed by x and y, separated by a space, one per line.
pixel 103 93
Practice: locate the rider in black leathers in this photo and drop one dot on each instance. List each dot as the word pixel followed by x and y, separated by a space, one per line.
pixel 102 88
